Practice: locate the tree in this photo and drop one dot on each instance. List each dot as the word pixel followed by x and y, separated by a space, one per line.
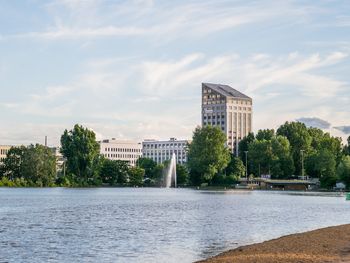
pixel 282 161
pixel 266 134
pixel 80 148
pixel 323 166
pixel 32 165
pixel 343 170
pixel 244 145
pixel 182 174
pixel 299 139
pixel 136 175
pixel 148 165
pixel 260 157
pixel 347 148
pixel 12 163
pixel 38 166
pixel 109 172
pixel 235 168
pixel 207 154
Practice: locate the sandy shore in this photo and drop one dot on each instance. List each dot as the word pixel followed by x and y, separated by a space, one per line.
pixel 330 244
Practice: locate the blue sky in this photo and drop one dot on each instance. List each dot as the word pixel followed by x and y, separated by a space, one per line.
pixel 133 69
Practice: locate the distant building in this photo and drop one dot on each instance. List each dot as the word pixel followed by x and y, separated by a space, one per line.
pixel 128 151
pixel 3 152
pixel 160 151
pixel 228 109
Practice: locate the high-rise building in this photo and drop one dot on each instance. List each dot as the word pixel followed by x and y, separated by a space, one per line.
pixel 128 151
pixel 228 109
pixel 160 151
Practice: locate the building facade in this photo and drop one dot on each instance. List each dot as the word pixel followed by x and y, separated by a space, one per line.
pixel 160 151
pixel 128 151
pixel 3 152
pixel 228 109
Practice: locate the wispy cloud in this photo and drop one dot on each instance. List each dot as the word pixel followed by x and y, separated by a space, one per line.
pixel 94 19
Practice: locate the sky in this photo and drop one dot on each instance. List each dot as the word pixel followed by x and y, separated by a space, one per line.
pixel 133 69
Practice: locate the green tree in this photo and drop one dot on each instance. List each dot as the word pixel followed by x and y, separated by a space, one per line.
pixel 109 172
pixel 299 139
pixel 343 170
pixel 148 165
pixel 38 166
pixel 182 174
pixel 260 157
pixel 12 163
pixel 207 154
pixel 235 168
pixel 80 148
pixel 323 166
pixel 136 175
pixel 243 145
pixel 282 161
pixel 266 134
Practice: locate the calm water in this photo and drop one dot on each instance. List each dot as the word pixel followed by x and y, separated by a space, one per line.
pixel 151 225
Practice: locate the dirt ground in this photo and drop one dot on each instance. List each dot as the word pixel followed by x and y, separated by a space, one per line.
pixel 330 244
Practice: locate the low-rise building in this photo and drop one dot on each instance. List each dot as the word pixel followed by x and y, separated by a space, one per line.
pixel 3 151
pixel 123 150
pixel 160 151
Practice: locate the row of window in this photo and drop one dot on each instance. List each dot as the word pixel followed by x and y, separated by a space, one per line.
pixel 122 150
pixel 213 116
pixel 107 155
pixel 155 146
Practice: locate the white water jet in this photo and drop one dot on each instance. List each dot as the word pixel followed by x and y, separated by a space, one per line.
pixel 171 173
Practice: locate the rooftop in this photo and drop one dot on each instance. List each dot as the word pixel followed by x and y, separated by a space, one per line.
pixel 226 90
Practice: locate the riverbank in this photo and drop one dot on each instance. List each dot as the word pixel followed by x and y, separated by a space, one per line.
pixel 331 244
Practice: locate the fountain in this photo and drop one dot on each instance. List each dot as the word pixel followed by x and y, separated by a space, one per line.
pixel 171 173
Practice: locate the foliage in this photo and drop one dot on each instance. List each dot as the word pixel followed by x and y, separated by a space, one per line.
pixel 266 134
pixel 81 150
pixel 110 171
pixel 136 175
pixel 182 174
pixel 38 165
pixel 29 166
pixel 207 154
pixel 244 145
pixel 235 167
pixel 322 165
pixel 148 165
pixel 12 163
pixel 299 139
pixel 343 170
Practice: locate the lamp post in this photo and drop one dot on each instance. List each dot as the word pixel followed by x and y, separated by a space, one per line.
pixel 246 165
pixel 302 164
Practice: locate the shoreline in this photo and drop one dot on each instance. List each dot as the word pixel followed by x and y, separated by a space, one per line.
pixel 330 244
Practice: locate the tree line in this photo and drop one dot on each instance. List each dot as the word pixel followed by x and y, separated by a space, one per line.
pixel 83 166
pixel 292 150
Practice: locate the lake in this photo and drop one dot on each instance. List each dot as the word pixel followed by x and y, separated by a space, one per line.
pixel 152 225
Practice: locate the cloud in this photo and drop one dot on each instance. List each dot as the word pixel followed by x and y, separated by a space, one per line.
pixel 344 129
pixel 161 21
pixel 315 122
pixel 160 98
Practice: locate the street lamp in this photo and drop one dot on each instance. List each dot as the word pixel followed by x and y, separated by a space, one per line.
pixel 302 163
pixel 246 165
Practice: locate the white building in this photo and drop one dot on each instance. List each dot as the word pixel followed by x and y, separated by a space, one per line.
pixel 3 152
pixel 160 151
pixel 228 109
pixel 128 151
